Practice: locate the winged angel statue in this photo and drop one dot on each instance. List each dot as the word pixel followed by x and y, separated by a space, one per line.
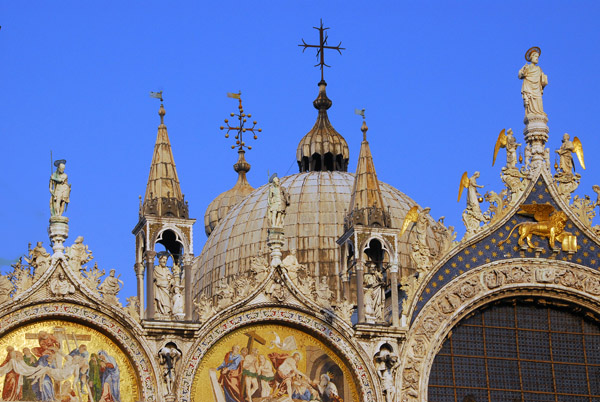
pixel 565 153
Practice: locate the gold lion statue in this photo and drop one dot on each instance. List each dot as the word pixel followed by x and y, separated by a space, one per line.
pixel 550 224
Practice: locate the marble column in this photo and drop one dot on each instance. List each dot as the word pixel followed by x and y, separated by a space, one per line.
pixel 394 285
pixel 149 284
pixel 360 292
pixel 187 275
pixel 139 273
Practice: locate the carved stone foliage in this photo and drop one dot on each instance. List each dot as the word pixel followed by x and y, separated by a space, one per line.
pixel 205 308
pixel 465 293
pixel 133 308
pixel 348 351
pixel 344 311
pixel 567 183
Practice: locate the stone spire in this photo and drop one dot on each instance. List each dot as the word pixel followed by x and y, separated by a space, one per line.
pixel 219 207
pixel 366 204
pixel 322 148
pixel 163 193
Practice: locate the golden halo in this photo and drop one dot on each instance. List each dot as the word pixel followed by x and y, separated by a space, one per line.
pixel 530 51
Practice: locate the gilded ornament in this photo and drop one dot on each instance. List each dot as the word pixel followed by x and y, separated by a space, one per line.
pixel 549 224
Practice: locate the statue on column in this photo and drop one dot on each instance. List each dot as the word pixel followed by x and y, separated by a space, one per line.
pixel 163 280
pixel 60 189
pixel 534 81
pixel 277 203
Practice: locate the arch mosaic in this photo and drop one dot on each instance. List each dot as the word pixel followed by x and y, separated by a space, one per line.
pixel 310 326
pixel 497 280
pixel 84 319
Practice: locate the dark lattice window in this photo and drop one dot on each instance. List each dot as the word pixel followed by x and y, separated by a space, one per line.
pixel 520 350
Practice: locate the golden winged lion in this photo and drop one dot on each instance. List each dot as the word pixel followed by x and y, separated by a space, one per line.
pixel 550 224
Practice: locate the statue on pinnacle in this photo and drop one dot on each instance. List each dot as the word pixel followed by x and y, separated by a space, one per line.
pixel 534 81
pixel 60 189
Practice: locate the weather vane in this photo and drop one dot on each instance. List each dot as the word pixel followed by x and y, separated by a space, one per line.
pixel 360 112
pixel 321 47
pixel 242 118
pixel 156 95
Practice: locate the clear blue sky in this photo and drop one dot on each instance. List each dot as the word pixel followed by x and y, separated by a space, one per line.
pixel 438 81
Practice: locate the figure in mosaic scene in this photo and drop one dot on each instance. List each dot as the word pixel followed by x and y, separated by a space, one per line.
pixel 60 189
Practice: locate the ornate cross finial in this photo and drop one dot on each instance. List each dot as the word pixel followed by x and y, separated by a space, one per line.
pixel 240 128
pixel 321 47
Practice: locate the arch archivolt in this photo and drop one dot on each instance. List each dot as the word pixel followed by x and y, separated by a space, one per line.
pixel 347 350
pixel 477 287
pixel 138 353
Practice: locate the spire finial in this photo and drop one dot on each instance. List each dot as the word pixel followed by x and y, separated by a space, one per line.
pixel 161 111
pixel 242 118
pixel 321 48
pixel 363 128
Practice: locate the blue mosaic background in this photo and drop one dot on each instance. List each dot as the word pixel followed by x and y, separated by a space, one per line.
pixel 487 250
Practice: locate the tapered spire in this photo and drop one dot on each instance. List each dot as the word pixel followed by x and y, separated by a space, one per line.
pixel 163 192
pixel 366 203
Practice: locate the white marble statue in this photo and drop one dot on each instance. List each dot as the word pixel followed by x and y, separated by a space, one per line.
pixel 534 81
pixel 39 259
pixel 60 286
pixel 168 357
pixel 79 254
pixel 110 287
pixel 162 286
pixel 277 203
pixel 373 283
pixel 178 311
pixel 60 189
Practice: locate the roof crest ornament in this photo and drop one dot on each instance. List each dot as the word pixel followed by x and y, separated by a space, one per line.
pixel 321 48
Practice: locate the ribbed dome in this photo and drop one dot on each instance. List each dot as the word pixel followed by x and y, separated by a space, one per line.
pixel 322 148
pixel 315 220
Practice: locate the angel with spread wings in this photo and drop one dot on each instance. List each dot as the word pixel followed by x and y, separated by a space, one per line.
pixel 507 140
pixel 565 153
pixel 473 196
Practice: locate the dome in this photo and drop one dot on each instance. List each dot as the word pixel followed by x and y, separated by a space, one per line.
pixel 322 148
pixel 219 207
pixel 314 221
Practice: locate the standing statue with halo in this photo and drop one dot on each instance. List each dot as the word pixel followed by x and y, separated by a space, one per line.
pixel 534 81
pixel 60 189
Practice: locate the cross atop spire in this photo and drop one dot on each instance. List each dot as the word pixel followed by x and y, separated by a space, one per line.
pixel 321 47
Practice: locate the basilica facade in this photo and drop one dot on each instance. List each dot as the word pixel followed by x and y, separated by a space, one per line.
pixel 324 285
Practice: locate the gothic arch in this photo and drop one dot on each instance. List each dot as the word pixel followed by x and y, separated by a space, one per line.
pixel 498 280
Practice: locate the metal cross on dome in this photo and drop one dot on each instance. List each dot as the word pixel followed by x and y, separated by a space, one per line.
pixel 242 118
pixel 321 47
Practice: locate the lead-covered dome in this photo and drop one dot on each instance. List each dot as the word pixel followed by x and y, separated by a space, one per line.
pixel 314 220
